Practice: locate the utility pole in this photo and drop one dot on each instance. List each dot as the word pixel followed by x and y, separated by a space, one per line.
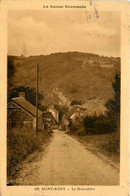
pixel 37 98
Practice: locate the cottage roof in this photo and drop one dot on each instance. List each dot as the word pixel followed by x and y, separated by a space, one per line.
pixel 95 106
pixel 49 115
pixel 20 101
pixel 52 108
pixel 90 107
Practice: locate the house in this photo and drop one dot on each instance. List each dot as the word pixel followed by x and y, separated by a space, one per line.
pixel 89 108
pixel 21 112
pixel 55 113
pixel 48 119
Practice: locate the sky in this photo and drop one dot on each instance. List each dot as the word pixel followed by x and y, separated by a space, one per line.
pixel 36 32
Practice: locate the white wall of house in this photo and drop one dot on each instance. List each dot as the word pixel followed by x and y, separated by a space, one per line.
pixel 55 114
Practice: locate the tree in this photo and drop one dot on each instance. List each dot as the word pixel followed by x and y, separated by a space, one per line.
pixel 113 105
pixel 62 110
pixel 11 71
pixel 30 95
pixel 116 87
pixel 75 102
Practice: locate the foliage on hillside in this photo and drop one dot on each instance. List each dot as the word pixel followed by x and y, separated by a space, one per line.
pixel 75 74
pixel 10 73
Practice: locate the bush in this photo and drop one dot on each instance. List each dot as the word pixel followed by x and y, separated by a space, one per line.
pixel 93 125
pixel 75 102
pixel 77 126
pixel 99 124
pixel 20 143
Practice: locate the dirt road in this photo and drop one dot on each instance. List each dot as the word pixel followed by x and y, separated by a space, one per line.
pixel 67 162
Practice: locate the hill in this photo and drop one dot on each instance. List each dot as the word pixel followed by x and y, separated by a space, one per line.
pixel 75 75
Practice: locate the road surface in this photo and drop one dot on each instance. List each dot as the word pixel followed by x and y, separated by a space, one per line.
pixel 67 162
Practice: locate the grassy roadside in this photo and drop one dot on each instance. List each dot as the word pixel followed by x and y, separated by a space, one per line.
pixel 107 145
pixel 21 142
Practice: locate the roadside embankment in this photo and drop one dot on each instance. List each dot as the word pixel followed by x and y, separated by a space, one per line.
pixel 21 142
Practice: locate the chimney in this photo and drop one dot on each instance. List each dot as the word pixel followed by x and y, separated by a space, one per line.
pixel 22 94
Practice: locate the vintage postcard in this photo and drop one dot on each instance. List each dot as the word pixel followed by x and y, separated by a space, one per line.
pixel 64 98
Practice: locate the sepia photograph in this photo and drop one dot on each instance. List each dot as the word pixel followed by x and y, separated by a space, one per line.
pixel 63 97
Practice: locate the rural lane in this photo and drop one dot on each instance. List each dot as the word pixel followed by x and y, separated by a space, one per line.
pixel 67 162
